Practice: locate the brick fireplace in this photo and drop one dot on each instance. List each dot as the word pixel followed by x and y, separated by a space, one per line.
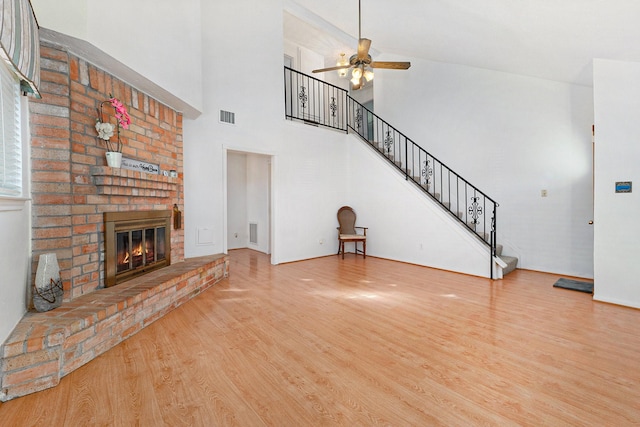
pixel 72 186
pixel 72 192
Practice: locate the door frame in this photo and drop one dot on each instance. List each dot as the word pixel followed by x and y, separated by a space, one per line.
pixel 271 197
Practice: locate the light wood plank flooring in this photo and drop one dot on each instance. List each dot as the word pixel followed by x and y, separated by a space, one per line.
pixel 358 342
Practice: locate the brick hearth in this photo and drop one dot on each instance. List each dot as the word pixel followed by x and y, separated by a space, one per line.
pixel 44 347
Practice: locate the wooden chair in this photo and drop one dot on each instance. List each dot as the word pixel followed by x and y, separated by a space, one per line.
pixel 347 231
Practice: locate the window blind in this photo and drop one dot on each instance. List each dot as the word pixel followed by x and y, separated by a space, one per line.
pixel 11 144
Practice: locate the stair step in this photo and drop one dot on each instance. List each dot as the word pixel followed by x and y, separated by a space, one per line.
pixel 512 263
pixel 499 250
pixel 391 156
pixel 485 236
pixel 399 164
pixel 380 146
pixel 426 187
pixel 477 227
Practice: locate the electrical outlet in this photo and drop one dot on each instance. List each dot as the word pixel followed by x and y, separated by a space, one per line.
pixel 543 193
pixel 321 241
pixel 236 235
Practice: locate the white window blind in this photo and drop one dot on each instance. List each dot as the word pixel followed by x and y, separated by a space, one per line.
pixel 11 144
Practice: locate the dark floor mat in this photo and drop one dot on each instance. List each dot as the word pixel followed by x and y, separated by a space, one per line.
pixel 574 285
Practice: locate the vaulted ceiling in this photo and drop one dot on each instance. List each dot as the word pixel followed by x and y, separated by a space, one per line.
pixel 550 39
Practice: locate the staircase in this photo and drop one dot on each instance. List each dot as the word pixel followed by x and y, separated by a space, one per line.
pixel 510 261
pixel 505 263
pixel 316 102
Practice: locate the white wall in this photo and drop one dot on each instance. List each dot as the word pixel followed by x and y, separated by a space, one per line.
pixel 14 264
pixel 405 225
pixel 258 200
pixel 245 84
pixel 311 184
pixel 617 108
pixel 308 165
pixel 66 16
pixel 159 39
pixel 15 243
pixel 304 60
pixel 237 235
pixel 511 136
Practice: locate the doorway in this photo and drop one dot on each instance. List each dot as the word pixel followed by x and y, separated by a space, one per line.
pixel 249 201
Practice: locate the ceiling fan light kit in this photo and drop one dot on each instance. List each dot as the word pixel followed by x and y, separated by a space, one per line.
pixel 356 73
pixel 343 64
pixel 368 75
pixel 361 62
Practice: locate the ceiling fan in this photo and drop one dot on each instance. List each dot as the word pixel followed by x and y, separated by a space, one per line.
pixel 361 61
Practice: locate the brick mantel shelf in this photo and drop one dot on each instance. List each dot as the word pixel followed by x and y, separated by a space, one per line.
pixel 124 182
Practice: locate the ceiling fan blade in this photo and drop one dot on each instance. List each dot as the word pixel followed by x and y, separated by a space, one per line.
pixel 392 65
pixel 363 48
pixel 339 67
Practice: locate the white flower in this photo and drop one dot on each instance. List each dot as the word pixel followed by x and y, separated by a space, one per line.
pixel 105 130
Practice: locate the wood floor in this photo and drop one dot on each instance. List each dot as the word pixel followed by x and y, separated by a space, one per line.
pixel 358 342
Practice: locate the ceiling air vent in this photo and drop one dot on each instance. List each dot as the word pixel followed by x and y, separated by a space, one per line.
pixel 227 117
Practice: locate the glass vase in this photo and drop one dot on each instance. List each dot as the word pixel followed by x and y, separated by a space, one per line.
pixel 48 292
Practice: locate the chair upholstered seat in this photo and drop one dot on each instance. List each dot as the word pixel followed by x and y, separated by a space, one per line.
pixel 347 231
pixel 352 237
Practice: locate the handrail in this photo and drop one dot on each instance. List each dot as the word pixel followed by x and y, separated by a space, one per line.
pixel 465 202
pixel 401 134
pixel 316 102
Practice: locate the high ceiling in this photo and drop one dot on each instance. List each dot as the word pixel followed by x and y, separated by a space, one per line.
pixel 550 39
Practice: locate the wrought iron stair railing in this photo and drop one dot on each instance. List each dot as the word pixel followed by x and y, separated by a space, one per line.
pixel 319 103
pixel 313 101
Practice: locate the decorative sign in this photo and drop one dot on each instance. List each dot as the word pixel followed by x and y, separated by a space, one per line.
pixel 623 187
pixel 140 166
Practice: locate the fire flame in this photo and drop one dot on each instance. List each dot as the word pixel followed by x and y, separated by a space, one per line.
pixel 136 252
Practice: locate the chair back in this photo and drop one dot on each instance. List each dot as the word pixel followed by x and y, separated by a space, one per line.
pixel 347 220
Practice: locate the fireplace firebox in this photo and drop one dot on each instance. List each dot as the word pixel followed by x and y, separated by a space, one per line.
pixel 135 243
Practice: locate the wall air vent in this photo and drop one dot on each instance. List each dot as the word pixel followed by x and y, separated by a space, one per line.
pixel 227 117
pixel 253 233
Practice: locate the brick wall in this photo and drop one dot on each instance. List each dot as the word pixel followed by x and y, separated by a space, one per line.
pixel 68 160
